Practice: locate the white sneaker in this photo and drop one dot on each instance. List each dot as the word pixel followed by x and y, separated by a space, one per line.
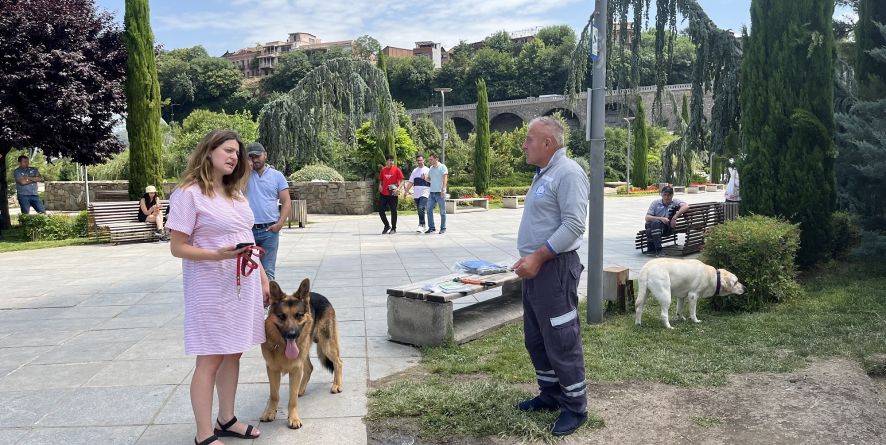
pixel 419 228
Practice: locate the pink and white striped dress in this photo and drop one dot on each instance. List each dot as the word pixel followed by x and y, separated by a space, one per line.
pixel 217 321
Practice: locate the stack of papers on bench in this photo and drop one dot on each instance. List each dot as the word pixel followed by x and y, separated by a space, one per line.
pixel 480 267
pixel 447 287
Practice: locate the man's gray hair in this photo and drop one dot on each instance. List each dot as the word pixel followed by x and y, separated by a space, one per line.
pixel 552 126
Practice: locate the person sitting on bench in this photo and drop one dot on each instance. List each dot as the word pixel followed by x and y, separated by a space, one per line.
pixel 661 218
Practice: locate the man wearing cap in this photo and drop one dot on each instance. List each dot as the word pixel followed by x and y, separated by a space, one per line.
pixel 389 187
pixel 662 217
pixel 266 186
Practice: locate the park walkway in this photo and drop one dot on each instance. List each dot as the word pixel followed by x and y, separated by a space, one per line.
pixel 91 344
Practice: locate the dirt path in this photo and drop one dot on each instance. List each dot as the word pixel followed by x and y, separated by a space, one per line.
pixel 830 401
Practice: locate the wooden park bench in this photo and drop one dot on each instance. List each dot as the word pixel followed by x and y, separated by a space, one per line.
pixel 694 223
pixel 477 204
pixel 118 222
pixel 512 201
pixel 420 317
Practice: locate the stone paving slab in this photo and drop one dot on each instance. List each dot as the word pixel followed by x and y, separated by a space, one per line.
pixel 93 353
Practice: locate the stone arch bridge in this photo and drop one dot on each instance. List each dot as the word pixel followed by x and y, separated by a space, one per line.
pixel 507 115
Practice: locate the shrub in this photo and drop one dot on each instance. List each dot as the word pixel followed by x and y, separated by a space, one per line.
pixel 309 173
pixel 759 250
pixel 847 233
pixel 495 192
pixel 41 227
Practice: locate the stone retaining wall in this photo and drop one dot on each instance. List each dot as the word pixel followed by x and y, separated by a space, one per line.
pixel 338 198
pixel 70 196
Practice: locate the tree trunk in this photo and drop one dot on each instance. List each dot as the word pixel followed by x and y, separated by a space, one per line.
pixel 5 223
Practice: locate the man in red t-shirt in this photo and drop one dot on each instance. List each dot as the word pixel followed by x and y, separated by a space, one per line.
pixel 389 186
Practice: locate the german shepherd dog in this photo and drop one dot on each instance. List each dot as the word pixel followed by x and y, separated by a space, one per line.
pixel 293 322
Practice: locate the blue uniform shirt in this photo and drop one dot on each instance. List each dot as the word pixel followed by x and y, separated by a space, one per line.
pixel 263 192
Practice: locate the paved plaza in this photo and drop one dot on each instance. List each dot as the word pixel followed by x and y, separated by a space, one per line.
pixel 91 348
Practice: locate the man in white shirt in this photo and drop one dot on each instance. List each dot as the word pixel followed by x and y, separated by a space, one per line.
pixel 421 190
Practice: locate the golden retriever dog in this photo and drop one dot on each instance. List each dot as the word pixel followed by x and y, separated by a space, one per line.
pixel 294 321
pixel 683 280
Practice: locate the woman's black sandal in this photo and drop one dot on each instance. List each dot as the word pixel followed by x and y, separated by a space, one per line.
pixel 207 440
pixel 223 432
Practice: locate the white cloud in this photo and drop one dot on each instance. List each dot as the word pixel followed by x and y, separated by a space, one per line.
pixel 393 22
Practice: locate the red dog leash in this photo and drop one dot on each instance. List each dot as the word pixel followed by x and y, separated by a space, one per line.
pixel 245 263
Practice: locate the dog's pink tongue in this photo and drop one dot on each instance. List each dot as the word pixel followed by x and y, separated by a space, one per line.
pixel 291 349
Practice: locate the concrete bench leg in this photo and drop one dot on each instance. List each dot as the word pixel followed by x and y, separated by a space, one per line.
pixel 509 202
pixel 419 322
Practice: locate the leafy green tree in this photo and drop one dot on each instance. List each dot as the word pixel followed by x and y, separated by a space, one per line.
pixel 143 100
pixel 458 153
pixel 293 66
pixel 639 161
pixel 500 41
pixel 365 47
pixel 481 149
pixel 200 122
pixel 369 152
pixel 787 100
pixel 42 107
pixel 410 80
pixel 427 135
pixel 870 71
pixel 189 79
pixel 861 164
pixel 498 69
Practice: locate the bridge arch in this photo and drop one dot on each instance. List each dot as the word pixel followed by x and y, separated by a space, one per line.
pixel 463 126
pixel 570 117
pixel 505 122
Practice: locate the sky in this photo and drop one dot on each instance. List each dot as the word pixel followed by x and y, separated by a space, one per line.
pixel 228 25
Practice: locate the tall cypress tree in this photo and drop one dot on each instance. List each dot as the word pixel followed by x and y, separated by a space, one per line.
pixel 640 168
pixel 869 71
pixel 143 101
pixel 481 148
pixel 382 63
pixel 788 118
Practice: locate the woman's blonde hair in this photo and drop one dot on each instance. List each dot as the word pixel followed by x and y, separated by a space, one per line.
pixel 200 168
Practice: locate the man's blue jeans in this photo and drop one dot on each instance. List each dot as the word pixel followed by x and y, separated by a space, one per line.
pixel 421 204
pixel 269 241
pixel 28 201
pixel 436 198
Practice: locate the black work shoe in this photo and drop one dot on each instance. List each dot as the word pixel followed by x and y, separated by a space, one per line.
pixel 430 230
pixel 442 231
pixel 386 230
pixel 536 404
pixel 568 422
pixel 393 231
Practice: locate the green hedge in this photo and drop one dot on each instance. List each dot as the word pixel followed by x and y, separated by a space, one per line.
pixel 42 227
pixel 847 233
pixel 495 192
pixel 317 171
pixel 759 250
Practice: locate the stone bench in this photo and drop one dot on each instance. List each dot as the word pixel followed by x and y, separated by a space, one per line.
pixel 298 213
pixel 513 201
pixel 477 205
pixel 423 318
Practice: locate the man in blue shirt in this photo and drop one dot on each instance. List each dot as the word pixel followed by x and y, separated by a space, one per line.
pixel 550 233
pixel 438 176
pixel 26 179
pixel 266 186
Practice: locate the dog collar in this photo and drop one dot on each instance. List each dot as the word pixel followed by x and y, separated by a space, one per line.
pixel 716 292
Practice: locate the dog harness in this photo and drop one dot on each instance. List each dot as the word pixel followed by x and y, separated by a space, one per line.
pixel 717 291
pixel 245 263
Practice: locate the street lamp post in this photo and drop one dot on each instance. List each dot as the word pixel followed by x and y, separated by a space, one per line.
pixel 443 92
pixel 628 159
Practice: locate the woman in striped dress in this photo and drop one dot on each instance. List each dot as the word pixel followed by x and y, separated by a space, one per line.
pixel 224 312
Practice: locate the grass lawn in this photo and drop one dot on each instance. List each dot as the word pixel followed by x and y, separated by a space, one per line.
pixel 472 387
pixel 15 240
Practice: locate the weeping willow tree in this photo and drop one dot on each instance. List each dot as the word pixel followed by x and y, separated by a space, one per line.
pixel 717 66
pixel 333 98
